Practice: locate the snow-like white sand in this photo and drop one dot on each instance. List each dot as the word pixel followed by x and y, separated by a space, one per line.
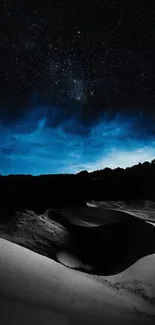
pixel 151 223
pixel 37 290
pixel 68 259
pixel 72 261
pixel 142 209
pixel 91 205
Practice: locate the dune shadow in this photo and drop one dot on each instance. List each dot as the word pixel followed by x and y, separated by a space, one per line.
pixel 108 241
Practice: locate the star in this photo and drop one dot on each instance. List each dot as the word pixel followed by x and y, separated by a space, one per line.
pixel 83 66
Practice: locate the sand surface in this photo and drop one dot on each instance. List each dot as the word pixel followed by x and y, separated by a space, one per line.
pixel 37 290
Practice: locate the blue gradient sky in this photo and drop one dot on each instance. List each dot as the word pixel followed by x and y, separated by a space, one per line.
pixel 77 85
pixel 42 142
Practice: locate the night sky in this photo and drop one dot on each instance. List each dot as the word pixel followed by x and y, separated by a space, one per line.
pixel 77 85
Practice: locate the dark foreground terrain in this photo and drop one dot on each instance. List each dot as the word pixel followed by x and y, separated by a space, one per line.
pixel 94 238
pixel 106 240
pixel 102 240
pixel 39 193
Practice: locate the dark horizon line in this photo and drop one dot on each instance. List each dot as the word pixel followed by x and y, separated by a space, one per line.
pixel 82 171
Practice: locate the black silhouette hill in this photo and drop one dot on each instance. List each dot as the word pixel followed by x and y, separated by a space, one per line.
pixel 39 193
pixel 108 240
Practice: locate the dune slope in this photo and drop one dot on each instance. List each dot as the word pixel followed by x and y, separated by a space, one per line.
pixel 37 290
pixel 101 241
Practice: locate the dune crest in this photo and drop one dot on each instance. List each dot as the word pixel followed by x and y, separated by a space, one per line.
pixel 29 281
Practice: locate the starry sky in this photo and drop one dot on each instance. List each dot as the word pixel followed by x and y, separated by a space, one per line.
pixel 77 85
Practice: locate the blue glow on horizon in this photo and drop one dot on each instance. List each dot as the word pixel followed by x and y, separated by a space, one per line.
pixel 40 143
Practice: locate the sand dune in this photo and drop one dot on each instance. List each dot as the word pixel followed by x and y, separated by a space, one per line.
pixel 108 240
pixel 142 209
pixel 100 240
pixel 37 290
pixel 116 248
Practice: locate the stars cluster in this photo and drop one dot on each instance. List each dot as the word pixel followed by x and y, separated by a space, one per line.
pixel 76 62
pixel 107 45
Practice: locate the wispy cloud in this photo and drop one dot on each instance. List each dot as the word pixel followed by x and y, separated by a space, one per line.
pixel 35 146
